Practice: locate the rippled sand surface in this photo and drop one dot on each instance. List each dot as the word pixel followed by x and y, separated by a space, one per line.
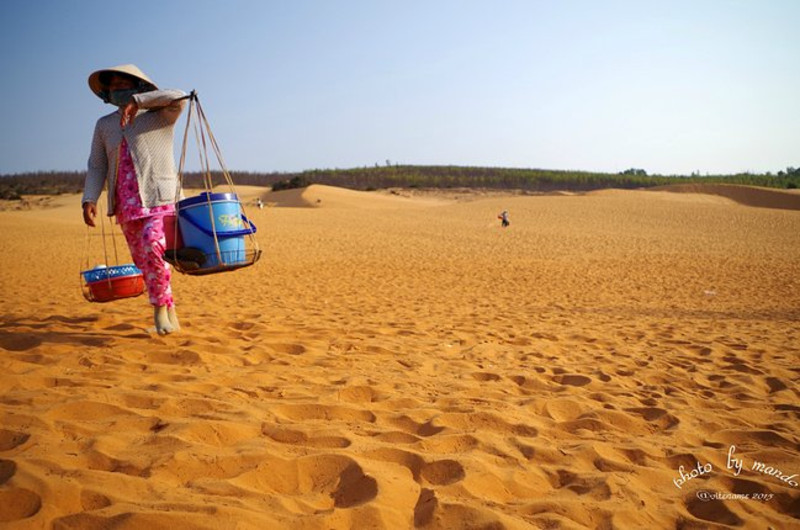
pixel 399 360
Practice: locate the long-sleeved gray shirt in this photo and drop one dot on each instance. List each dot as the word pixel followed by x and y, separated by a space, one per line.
pixel 150 140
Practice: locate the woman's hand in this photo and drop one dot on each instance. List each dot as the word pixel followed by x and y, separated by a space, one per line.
pixel 129 113
pixel 89 213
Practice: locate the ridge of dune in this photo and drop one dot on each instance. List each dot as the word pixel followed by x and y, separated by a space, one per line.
pixel 72 201
pixel 747 195
pixel 41 202
pixel 321 195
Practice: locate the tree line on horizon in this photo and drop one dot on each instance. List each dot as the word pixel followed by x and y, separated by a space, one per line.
pixel 13 187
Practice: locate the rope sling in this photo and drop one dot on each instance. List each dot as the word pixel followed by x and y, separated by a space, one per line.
pixel 216 234
pixel 106 283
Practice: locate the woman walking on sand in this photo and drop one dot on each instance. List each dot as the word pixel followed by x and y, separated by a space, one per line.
pixel 504 221
pixel 132 150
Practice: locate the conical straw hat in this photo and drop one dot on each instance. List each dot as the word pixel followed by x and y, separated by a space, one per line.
pixel 100 88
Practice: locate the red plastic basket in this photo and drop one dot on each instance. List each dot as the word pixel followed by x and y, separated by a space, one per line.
pixel 114 283
pixel 116 288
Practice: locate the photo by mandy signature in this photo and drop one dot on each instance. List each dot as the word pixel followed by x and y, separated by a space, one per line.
pixel 735 465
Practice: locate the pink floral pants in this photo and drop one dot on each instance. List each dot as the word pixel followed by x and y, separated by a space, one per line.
pixel 144 229
pixel 146 241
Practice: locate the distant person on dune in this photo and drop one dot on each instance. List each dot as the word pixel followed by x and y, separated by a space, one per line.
pixel 132 152
pixel 504 219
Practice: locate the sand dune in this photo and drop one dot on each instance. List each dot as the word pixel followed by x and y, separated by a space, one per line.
pixel 319 195
pixel 747 195
pixel 418 366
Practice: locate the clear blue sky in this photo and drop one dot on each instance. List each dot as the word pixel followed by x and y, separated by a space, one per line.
pixel 668 86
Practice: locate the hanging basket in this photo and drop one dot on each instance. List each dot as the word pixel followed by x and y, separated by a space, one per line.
pixel 210 232
pixel 106 284
pixel 103 283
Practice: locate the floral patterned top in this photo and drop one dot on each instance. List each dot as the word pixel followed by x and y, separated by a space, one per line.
pixel 128 203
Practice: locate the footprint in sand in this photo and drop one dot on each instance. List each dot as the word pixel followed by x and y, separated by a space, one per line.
pixel 743 368
pixel 86 410
pixel 602 376
pixel 527 384
pixel 323 481
pixel 18 503
pixel 792 410
pixel 92 500
pixel 292 437
pixel 324 412
pixel 484 421
pixel 754 439
pixel 359 394
pixel 214 433
pixel 425 507
pixel 120 327
pixel 7 470
pixel 288 349
pixel 572 379
pixel 438 473
pixel 142 401
pixel 448 444
pixel 395 437
pixel 429 510
pixel 92 520
pixel 11 439
pixel 242 325
pixel 713 510
pixel 484 377
pixel 656 416
pixel 15 503
pixel 178 357
pixel 775 384
pixel 408 425
pixel 19 341
pixel 99 461
pixel 443 472
pixel 564 409
pixel 354 487
pixel 594 487
pixel 782 501
pixel 411 461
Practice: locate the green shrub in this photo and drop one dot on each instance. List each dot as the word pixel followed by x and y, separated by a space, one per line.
pixel 8 193
pixel 295 182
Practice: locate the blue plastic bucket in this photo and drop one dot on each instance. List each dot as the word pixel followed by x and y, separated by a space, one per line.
pixel 209 214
